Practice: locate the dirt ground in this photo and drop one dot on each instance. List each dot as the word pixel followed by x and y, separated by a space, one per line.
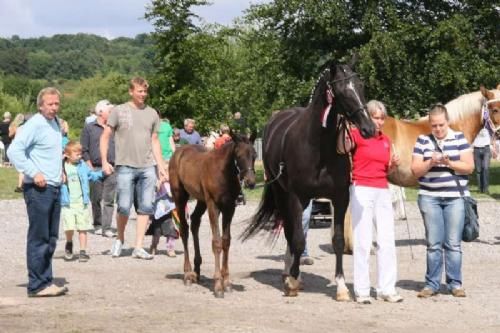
pixel 126 294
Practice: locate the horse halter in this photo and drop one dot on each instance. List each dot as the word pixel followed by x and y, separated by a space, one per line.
pixel 350 85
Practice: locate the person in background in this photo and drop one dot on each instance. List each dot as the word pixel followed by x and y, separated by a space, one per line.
pixel 189 133
pixel 178 141
pixel 435 164
pixel 224 136
pixel 165 135
pixel 371 204
pixel 37 153
pixel 482 155
pixel 75 199
pixel 4 133
pixel 138 159
pixel 102 191
pixel 65 132
pixel 91 117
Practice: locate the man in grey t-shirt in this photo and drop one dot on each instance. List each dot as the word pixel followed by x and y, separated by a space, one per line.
pixel 137 158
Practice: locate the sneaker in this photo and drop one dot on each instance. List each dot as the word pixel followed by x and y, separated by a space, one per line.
pixel 116 249
pixel 49 291
pixel 84 257
pixel 141 254
pixel 363 300
pixel 171 253
pixel 458 292
pixel 68 251
pixel 393 298
pixel 306 260
pixel 108 233
pixel 98 231
pixel 426 293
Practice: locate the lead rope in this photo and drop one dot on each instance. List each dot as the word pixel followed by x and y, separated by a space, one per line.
pixel 398 176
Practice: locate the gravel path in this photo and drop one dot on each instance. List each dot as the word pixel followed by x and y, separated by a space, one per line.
pixel 125 294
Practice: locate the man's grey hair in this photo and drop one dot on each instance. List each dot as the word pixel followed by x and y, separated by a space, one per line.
pixel 189 121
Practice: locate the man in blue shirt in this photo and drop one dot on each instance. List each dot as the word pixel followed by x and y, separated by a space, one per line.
pixel 189 133
pixel 37 152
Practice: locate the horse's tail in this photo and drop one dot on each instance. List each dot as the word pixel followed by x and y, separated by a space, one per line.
pixel 263 219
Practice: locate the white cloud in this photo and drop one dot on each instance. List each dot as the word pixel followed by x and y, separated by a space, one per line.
pixel 108 18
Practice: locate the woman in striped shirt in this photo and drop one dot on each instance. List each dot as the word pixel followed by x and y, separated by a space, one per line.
pixel 436 163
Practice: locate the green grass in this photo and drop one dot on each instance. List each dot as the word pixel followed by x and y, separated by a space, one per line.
pixel 8 182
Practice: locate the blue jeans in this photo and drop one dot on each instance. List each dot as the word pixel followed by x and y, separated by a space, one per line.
pixel 44 212
pixel 306 217
pixel 482 156
pixel 136 185
pixel 444 223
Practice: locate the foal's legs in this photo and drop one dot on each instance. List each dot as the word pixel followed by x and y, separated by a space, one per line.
pixel 181 198
pixel 198 212
pixel 227 217
pixel 213 213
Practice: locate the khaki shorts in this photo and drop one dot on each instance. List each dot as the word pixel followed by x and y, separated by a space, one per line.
pixel 76 217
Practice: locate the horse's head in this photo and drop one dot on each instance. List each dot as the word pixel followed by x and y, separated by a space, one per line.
pixel 348 97
pixel 244 155
pixel 493 104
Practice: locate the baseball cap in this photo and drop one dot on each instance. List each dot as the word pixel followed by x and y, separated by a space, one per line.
pixel 101 105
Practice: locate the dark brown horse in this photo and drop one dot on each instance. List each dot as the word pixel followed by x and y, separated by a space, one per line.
pixel 213 179
pixel 301 162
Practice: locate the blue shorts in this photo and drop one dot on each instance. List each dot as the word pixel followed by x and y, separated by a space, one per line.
pixel 135 185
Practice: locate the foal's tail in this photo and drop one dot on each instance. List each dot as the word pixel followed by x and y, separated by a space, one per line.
pixel 263 219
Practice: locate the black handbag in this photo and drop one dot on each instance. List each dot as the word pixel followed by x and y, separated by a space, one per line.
pixel 471 222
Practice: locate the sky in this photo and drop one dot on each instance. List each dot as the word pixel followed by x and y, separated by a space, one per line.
pixel 107 18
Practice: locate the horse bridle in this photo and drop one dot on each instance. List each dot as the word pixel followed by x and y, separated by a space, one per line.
pixel 329 84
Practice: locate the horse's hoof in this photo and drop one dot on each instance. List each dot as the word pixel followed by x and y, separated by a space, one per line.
pixel 188 282
pixel 343 296
pixel 219 294
pixel 228 288
pixel 292 286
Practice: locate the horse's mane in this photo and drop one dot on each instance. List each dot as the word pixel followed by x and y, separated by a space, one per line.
pixel 463 106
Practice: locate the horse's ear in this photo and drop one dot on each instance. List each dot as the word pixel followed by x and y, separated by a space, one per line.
pixel 234 136
pixel 354 60
pixel 486 93
pixel 253 136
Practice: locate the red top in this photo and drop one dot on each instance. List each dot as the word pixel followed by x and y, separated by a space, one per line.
pixel 220 141
pixel 371 160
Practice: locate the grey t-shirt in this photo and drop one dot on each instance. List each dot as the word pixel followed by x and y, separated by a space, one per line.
pixel 133 129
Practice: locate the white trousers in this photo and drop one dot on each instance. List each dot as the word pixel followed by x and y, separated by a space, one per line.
pixel 370 205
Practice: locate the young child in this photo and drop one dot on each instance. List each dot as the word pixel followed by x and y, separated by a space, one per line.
pixel 163 220
pixel 75 199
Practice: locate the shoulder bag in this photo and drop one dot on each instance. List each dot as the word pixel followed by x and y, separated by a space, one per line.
pixel 471 222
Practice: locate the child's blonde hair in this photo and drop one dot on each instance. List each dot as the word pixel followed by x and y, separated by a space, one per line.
pixel 72 146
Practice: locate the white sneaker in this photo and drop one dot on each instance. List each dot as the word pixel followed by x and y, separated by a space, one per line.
pixel 108 233
pixel 116 249
pixel 393 298
pixel 363 300
pixel 141 254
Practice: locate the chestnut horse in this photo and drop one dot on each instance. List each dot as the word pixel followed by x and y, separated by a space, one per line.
pixel 213 179
pixel 301 162
pixel 465 113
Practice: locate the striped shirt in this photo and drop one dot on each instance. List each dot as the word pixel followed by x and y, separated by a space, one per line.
pixel 439 181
